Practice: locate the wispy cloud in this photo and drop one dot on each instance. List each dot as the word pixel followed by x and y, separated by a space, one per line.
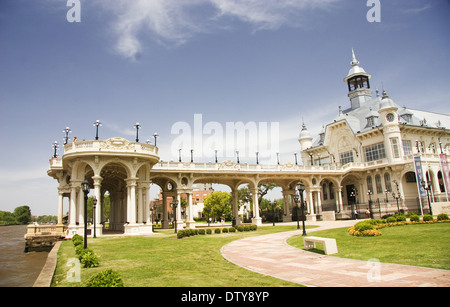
pixel 174 22
pixel 417 10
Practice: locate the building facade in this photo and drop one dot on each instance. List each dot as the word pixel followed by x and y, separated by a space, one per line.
pixel 376 140
pixel 363 159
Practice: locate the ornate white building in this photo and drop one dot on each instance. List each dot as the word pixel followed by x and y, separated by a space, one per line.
pixel 375 140
pixel 366 153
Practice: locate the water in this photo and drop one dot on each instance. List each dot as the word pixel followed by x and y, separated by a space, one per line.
pixel 17 268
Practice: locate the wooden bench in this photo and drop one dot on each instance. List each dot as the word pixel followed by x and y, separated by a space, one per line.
pixel 329 245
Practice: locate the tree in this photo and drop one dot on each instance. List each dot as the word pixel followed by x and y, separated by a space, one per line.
pixel 218 204
pixel 22 214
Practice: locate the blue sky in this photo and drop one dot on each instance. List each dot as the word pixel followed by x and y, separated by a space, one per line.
pixel 159 62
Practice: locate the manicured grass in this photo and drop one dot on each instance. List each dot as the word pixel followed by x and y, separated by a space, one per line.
pixel 426 245
pixel 162 260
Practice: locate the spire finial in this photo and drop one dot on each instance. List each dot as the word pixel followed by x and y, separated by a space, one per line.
pixel 354 60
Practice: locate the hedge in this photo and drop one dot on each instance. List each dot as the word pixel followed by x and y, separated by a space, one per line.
pixel 183 233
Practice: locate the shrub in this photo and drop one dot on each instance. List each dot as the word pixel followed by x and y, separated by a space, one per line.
pixel 400 218
pixel 217 230
pixel 442 217
pixel 414 218
pixel 89 259
pixel 106 278
pixel 201 231
pixel 240 228
pixel 427 217
pixel 391 219
pixel 253 227
pixel 181 234
pixel 246 228
pixel 77 240
pixel 232 229
pixel 225 230
pixel 79 249
pixel 361 226
pixel 209 231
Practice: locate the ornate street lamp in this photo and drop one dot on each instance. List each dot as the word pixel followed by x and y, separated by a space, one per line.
pixel 55 147
pixel 397 197
pixel 155 135
pixel 85 187
pixel 370 203
pixel 137 126
pixel 257 157
pixel 174 205
pixel 66 136
pixel 179 154
pixel 427 187
pixel 295 155
pixel 96 125
pixel 192 155
pixel 237 156
pixel 301 189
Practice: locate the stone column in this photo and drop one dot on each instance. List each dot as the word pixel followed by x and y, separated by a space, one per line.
pixel 256 219
pixel 180 223
pixel 98 207
pixel 190 223
pixel 235 207
pixel 73 206
pixel 60 207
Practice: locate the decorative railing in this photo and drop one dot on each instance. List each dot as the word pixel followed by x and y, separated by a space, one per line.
pixel 34 230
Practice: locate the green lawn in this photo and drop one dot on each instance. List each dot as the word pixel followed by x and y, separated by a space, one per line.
pixel 426 245
pixel 163 260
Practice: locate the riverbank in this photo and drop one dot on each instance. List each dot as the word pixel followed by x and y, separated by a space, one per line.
pixel 17 268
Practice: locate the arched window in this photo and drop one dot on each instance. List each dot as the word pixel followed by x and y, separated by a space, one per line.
pixel 387 182
pixel 378 183
pixel 369 183
pixel 331 190
pixel 325 191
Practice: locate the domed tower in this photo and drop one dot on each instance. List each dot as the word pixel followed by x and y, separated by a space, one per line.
pixel 391 129
pixel 358 84
pixel 305 139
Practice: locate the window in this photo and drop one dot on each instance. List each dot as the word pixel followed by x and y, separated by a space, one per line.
pixel 331 190
pixel 325 192
pixel 378 184
pixel 395 148
pixel 387 182
pixel 407 148
pixel 375 152
pixel 369 184
pixel 347 157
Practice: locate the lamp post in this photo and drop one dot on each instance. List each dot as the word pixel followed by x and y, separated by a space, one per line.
pixel 94 215
pixel 85 187
pixel 215 155
pixel 179 154
pixel 137 126
pixel 155 135
pixel 66 136
pixel 174 206
pixel 192 155
pixel 370 203
pixel 427 187
pixel 96 125
pixel 353 202
pixel 295 155
pixel 301 189
pixel 257 157
pixel 237 156
pixel 55 147
pixel 397 197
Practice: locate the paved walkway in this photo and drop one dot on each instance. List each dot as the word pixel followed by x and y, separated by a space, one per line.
pixel 271 255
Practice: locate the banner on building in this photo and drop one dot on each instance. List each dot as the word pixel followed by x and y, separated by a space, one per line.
pixel 445 173
pixel 419 176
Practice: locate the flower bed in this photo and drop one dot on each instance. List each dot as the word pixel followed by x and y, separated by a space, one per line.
pixel 370 228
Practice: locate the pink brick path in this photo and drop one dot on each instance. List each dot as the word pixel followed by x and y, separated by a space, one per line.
pixel 271 255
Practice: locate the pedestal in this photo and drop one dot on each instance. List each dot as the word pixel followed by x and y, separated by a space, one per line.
pixel 190 224
pixel 257 221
